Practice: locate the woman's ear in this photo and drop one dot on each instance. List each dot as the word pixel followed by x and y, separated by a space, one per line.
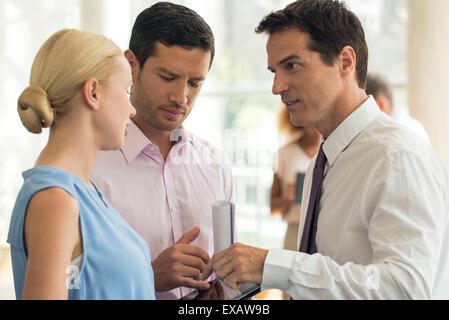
pixel 91 93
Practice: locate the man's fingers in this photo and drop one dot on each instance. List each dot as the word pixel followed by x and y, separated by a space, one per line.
pixel 224 270
pixel 222 253
pixel 207 271
pixel 233 282
pixel 189 272
pixel 221 259
pixel 241 264
pixel 188 237
pixel 187 259
pixel 191 283
pixel 234 248
pixel 181 265
pixel 220 291
pixel 195 251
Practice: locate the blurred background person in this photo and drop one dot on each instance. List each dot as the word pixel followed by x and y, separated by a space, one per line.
pixel 302 143
pixel 381 90
pixel 293 158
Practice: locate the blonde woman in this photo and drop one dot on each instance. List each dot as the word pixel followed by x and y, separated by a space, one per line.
pixel 293 158
pixel 67 241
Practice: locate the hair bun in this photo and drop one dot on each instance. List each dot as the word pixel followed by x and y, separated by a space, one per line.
pixel 34 109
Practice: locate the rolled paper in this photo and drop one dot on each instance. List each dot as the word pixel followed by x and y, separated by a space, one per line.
pixel 223 224
pixel 223 221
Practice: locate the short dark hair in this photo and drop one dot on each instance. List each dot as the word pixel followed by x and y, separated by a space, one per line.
pixel 331 27
pixel 377 85
pixel 170 24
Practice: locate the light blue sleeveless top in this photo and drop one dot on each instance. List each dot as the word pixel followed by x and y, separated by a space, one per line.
pixel 116 260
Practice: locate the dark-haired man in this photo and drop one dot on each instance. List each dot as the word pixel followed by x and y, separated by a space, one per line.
pixel 374 222
pixel 164 180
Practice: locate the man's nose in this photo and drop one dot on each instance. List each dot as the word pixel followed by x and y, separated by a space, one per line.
pixel 279 84
pixel 180 94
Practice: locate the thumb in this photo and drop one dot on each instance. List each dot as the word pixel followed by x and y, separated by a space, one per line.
pixel 189 236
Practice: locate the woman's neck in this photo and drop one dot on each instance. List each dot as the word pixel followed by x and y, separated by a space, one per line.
pixel 70 150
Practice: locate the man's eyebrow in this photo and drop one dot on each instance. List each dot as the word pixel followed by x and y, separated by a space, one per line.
pixel 290 57
pixel 174 75
pixel 197 79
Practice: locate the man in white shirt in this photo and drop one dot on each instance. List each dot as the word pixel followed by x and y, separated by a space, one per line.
pixel 378 87
pixel 382 211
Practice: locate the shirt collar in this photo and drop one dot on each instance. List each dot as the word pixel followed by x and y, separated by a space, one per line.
pixel 349 129
pixel 180 135
pixel 135 141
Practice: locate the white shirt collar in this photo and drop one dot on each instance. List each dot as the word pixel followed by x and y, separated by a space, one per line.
pixel 349 129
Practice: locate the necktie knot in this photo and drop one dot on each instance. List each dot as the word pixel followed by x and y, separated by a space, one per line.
pixel 321 158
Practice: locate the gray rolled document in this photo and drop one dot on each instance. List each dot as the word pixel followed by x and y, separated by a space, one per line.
pixel 223 222
pixel 223 227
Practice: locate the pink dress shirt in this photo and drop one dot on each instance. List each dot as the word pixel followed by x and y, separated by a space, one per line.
pixel 163 199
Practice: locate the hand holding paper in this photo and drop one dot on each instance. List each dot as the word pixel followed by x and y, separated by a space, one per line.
pixel 235 263
pixel 181 265
pixel 239 264
pixel 223 223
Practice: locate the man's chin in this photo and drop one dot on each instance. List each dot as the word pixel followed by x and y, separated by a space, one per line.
pixel 166 126
pixel 297 122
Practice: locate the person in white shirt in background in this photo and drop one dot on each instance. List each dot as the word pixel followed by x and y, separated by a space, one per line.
pixel 378 87
pixel 383 226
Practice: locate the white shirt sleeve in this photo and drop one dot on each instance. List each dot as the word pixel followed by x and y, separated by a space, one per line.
pixel 405 215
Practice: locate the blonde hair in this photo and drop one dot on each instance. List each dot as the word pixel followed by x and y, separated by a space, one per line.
pixel 285 125
pixel 61 67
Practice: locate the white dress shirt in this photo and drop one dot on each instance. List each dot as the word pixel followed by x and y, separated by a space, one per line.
pixel 383 227
pixel 405 119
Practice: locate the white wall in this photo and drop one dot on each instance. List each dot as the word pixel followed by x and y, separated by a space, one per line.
pixel 428 68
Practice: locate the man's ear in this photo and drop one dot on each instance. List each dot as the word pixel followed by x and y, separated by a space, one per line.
pixel 347 60
pixel 91 93
pixel 134 63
